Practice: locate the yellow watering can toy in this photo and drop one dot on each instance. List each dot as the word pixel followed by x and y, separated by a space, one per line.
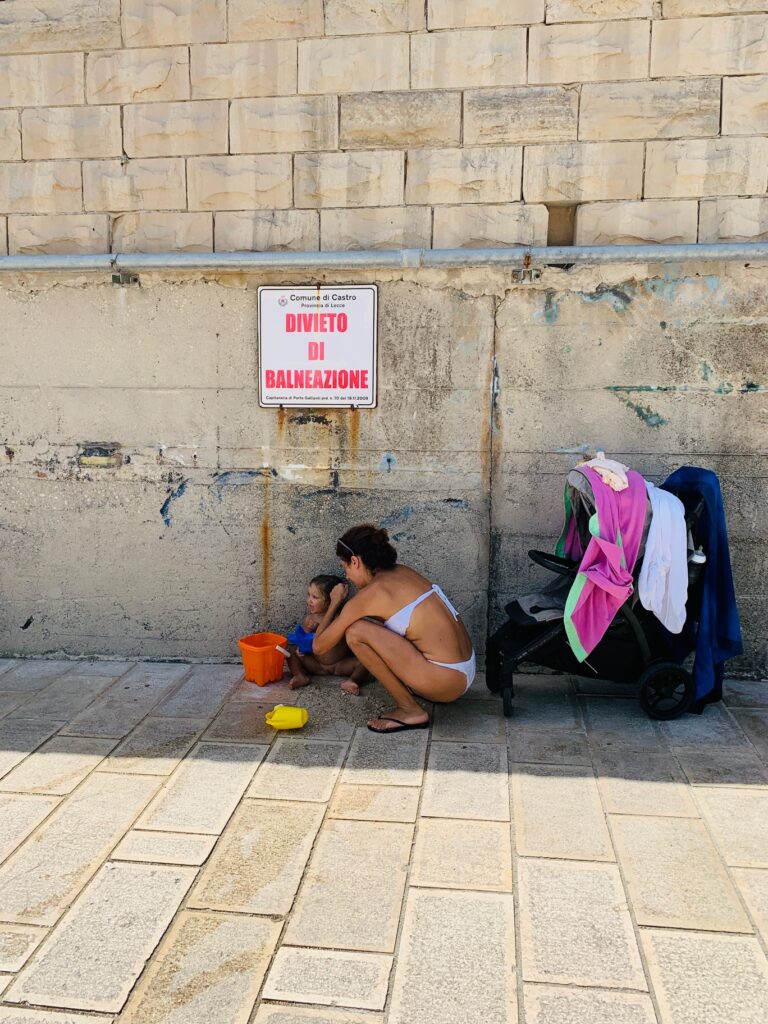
pixel 285 716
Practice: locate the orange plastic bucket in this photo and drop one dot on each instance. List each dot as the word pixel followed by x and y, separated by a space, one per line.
pixel 262 662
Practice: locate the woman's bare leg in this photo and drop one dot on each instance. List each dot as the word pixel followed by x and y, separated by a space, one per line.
pixel 380 650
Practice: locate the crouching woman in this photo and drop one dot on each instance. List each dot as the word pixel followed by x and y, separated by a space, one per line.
pixel 417 645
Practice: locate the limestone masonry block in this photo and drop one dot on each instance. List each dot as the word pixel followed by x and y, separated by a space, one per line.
pixel 265 230
pixel 501 225
pixel 483 13
pixel 650 110
pixel 710 46
pixel 127 185
pixel 133 76
pixel 663 221
pixel 283 124
pixel 583 171
pixel 745 105
pixel 51 132
pixel 162 232
pixel 81 233
pixel 10 135
pixel 680 8
pixel 362 64
pixel 478 57
pixel 597 10
pixel 734 220
pixel 176 129
pixel 41 80
pixel 391 227
pixel 239 182
pixel 401 119
pixel 33 25
pixel 351 17
pixel 48 187
pixel 3 236
pixel 525 114
pixel 471 175
pixel 590 52
pixel 706 167
pixel 275 19
pixel 231 70
pixel 348 179
pixel 153 23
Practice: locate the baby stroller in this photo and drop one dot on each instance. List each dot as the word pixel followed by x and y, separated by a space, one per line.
pixel 635 649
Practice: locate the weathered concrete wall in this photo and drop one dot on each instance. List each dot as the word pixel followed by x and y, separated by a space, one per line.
pixel 212 513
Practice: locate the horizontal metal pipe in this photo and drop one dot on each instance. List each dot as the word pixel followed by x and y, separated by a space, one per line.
pixel 391 259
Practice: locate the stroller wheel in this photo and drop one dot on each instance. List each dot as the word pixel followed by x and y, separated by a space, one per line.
pixel 506 697
pixel 666 691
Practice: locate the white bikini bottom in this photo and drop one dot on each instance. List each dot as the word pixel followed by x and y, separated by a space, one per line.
pixel 469 668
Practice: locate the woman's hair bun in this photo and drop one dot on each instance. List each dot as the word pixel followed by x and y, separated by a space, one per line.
pixel 370 543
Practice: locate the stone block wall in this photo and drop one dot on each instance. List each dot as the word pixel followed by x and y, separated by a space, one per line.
pixel 151 125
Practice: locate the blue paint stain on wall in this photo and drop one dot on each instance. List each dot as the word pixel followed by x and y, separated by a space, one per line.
pixel 551 308
pixel 401 515
pixel 706 370
pixel 618 299
pixel 646 414
pixel 234 478
pixel 387 462
pixel 165 511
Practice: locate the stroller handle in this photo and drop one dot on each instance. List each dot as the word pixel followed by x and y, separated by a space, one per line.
pixel 562 566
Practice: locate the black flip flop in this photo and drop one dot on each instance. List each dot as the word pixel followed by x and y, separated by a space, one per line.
pixel 402 727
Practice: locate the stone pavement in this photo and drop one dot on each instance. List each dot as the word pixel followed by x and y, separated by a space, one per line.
pixel 166 858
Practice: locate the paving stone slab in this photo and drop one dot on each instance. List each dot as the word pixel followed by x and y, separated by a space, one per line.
pixel 714 727
pixel 556 1004
pixel 10 702
pixel 396 760
pixel 646 783
pixel 258 865
pixel 731 989
pixel 42 878
pixel 753 886
pixel 204 790
pixel 66 697
pixel 203 693
pixel 272 1014
pixel 299 770
pixel 58 767
pixel 739 822
pixel 164 848
pixel 155 747
pixel 334 714
pixel 466 780
pixel 19 737
pixel 620 724
pixel 469 723
pixel 19 815
pixel 674 876
pixel 17 1015
pixel 352 891
pixel 122 706
pixel 17 943
pixel 544 704
pixel 6 664
pixel 575 927
pixel 272 693
pixel 479 691
pixel 242 721
pixel 754 724
pixel 34 675
pixel 99 949
pixel 549 748
pixel 740 693
pixel 104 667
pixel 329 978
pixel 446 936
pixel 557 813
pixel 456 854
pixel 374 803
pixel 722 766
pixel 209 968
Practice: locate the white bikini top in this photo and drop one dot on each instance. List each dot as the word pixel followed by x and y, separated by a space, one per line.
pixel 400 621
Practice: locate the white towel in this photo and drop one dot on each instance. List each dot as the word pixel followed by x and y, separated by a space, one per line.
pixel 663 583
pixel 611 472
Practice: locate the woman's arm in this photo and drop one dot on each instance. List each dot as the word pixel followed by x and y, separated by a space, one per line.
pixel 335 623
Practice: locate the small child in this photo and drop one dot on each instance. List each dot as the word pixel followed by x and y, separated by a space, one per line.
pixel 339 661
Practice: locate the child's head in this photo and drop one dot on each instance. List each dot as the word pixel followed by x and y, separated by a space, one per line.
pixel 319 593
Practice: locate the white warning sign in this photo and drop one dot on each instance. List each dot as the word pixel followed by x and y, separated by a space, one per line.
pixel 317 345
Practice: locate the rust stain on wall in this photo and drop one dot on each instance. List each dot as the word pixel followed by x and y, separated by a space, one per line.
pixel 266 532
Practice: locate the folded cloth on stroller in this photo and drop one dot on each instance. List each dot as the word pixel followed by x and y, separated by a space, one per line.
pixel 716 633
pixel 604 579
pixel 662 585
